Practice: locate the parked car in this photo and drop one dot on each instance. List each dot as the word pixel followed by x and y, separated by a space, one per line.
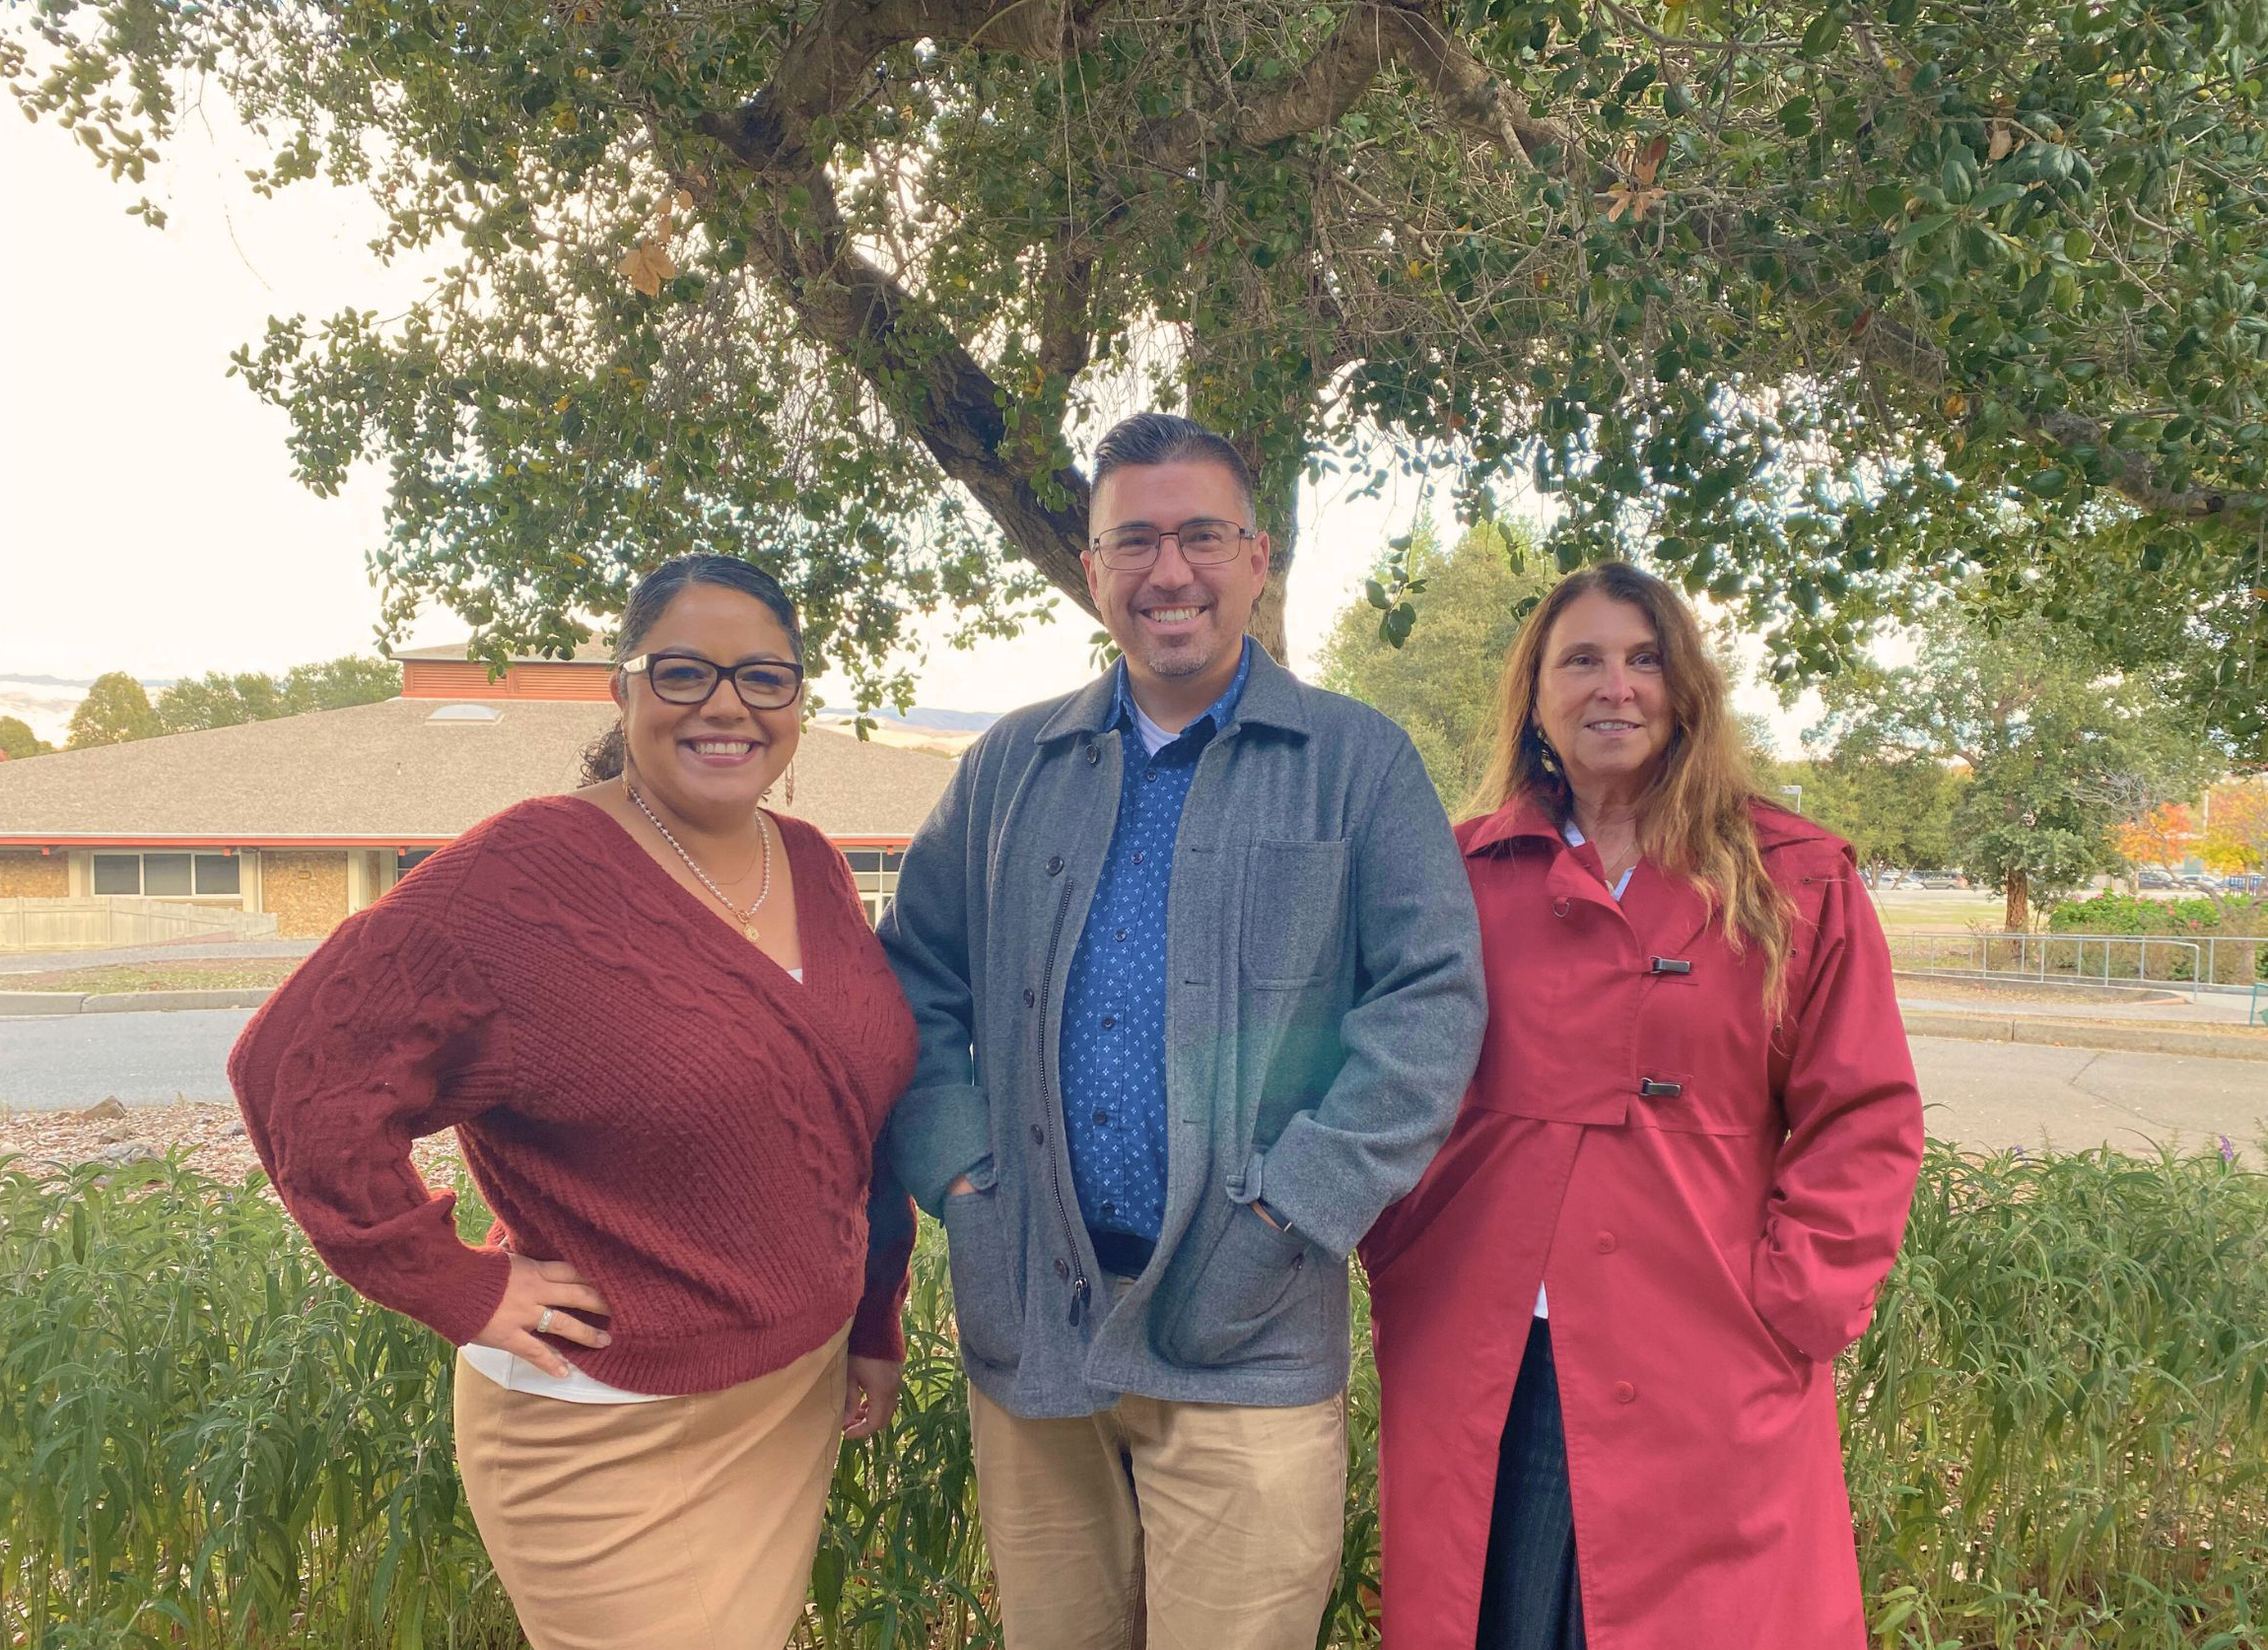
pixel 2150 876
pixel 1938 879
pixel 2202 882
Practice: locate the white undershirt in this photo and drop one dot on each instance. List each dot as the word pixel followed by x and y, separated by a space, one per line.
pixel 1153 737
pixel 1575 839
pixel 514 1373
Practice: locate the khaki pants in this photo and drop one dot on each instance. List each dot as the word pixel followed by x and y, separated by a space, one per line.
pixel 1212 1526
pixel 685 1524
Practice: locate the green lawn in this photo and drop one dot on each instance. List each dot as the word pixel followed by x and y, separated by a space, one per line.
pixel 190 974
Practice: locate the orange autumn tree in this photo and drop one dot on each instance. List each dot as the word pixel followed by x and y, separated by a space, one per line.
pixel 2164 835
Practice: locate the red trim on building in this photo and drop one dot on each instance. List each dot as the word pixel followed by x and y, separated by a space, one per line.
pixel 443 678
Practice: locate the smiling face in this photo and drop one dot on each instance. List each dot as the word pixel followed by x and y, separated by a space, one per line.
pixel 1178 625
pixel 709 763
pixel 1602 697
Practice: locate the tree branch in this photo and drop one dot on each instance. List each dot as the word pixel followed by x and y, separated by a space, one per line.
pixel 831 63
pixel 1372 37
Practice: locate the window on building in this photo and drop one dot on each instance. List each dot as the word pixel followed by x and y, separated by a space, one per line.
pixel 220 874
pixel 118 873
pixel 167 875
pixel 178 876
pixel 876 871
pixel 406 858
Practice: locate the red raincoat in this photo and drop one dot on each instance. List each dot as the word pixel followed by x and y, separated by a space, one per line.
pixel 1709 1242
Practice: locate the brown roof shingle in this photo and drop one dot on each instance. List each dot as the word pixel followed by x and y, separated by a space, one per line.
pixel 393 769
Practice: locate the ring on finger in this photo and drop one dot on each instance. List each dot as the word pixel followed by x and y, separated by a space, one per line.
pixel 543 1324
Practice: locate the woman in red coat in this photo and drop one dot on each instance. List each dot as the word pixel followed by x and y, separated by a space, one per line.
pixel 1605 1320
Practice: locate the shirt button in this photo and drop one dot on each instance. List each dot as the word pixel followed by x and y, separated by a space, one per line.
pixel 1606 1243
pixel 1150 777
pixel 1039 1135
pixel 1624 1392
pixel 1054 864
pixel 1102 1117
pixel 1110 1208
pixel 1110 1020
pixel 1122 936
pixel 1138 858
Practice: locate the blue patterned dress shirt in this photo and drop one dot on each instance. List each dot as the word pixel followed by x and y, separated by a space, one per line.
pixel 1110 1045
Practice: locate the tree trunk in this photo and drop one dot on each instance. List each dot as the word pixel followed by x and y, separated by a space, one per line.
pixel 2017 916
pixel 1278 517
pixel 1282 525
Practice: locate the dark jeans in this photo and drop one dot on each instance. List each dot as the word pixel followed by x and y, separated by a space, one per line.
pixel 1527 1595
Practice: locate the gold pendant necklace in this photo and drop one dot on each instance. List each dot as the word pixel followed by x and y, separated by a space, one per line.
pixel 747 919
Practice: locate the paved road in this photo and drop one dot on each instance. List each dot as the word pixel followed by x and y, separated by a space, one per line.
pixel 52 1062
pixel 1982 1094
pixel 1994 1095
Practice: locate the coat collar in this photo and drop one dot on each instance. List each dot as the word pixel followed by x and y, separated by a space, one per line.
pixel 1524 816
pixel 1272 697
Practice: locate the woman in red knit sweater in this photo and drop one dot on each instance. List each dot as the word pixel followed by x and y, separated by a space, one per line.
pixel 666 1038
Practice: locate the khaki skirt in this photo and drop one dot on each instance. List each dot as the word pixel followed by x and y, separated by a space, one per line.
pixel 683 1524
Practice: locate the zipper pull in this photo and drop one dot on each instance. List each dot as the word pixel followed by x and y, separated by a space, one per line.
pixel 1078 1300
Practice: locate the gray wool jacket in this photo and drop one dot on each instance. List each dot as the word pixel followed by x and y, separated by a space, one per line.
pixel 1324 1015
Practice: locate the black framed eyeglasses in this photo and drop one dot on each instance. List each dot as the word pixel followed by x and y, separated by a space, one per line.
pixel 1205 542
pixel 763 684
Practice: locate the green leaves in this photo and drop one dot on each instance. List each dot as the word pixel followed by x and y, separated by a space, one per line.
pixel 1799 293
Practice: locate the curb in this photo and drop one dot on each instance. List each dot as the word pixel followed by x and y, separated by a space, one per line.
pixel 39 1003
pixel 15 1003
pixel 2083 1034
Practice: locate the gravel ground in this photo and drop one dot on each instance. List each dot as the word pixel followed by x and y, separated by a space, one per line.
pixel 211 1135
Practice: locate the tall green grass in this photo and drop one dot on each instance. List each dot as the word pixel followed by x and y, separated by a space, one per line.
pixel 2057 1427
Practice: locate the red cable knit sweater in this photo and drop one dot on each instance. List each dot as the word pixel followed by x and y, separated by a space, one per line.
pixel 638 1091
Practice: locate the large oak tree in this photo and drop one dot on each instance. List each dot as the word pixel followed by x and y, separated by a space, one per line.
pixel 1817 306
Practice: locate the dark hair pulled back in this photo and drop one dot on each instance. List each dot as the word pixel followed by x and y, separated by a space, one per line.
pixel 604 758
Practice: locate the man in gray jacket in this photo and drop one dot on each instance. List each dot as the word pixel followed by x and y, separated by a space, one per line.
pixel 1197 980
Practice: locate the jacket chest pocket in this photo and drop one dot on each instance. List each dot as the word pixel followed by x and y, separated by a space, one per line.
pixel 1294 912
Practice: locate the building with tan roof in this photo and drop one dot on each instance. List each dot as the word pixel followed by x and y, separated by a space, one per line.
pixel 314 816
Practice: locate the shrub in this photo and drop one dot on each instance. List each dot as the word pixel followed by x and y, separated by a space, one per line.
pixel 2239 922
pixel 2057 1432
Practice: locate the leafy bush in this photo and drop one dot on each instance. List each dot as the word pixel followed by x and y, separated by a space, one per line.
pixel 2057 1432
pixel 2240 923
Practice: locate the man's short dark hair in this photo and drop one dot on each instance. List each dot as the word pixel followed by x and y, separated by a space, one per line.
pixel 1168 438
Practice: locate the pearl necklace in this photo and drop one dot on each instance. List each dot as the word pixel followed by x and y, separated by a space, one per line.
pixel 747 919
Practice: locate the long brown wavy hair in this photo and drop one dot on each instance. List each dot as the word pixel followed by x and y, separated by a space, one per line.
pixel 1693 819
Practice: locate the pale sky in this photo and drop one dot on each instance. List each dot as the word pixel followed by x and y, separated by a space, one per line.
pixel 149 521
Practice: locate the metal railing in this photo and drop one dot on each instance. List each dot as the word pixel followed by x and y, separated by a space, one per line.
pixel 2073 959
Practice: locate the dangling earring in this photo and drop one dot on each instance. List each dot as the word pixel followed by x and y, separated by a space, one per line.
pixel 1544 754
pixel 791 781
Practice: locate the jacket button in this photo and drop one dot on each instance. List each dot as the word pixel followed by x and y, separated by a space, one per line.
pixel 1054 865
pixel 1093 755
pixel 1063 1267
pixel 1558 907
pixel 1606 1243
pixel 1030 996
pixel 1624 1392
pixel 1039 1135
